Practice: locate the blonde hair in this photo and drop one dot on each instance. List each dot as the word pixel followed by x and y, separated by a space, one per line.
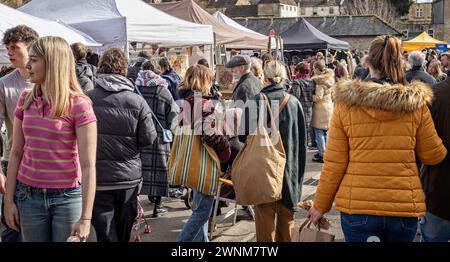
pixel 437 65
pixel 386 57
pixel 257 68
pixel 199 79
pixel 320 65
pixel 275 72
pixel 60 77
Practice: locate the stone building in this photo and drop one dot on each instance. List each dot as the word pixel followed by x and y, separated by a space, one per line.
pixel 358 31
pixel 441 19
pixel 418 20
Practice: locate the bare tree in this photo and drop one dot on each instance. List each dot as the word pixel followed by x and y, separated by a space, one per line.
pixel 382 8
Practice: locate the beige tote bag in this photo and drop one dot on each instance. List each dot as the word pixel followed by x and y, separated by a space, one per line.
pixel 258 169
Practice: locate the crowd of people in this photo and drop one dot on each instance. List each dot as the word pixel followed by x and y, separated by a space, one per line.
pixel 86 135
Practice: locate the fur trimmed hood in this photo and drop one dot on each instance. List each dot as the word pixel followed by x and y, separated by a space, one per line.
pixel 326 79
pixel 386 97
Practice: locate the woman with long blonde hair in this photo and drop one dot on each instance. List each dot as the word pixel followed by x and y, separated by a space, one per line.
pixel 54 145
pixel 435 69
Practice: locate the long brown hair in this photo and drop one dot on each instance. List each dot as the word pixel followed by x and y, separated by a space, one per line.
pixel 385 56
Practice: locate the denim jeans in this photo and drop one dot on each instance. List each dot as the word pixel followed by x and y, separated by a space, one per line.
pixel 321 140
pixel 196 229
pixel 434 228
pixel 47 215
pixel 365 228
pixel 8 235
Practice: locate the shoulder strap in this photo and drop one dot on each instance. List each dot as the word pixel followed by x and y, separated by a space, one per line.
pixel 283 104
pixel 151 111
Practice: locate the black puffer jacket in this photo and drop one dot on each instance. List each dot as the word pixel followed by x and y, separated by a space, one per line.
pixel 124 123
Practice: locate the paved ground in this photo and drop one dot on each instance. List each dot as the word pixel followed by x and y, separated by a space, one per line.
pixel 167 227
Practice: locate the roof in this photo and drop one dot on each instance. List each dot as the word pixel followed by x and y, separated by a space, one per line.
pixel 242 11
pixel 285 2
pixel 339 26
pixel 224 34
pixel 221 3
pixel 319 3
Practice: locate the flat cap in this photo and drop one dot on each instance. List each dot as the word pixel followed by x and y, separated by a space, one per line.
pixel 238 60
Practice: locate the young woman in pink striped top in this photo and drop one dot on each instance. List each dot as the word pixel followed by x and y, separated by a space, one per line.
pixel 54 144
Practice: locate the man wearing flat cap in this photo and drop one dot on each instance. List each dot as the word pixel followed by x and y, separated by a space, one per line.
pixel 248 85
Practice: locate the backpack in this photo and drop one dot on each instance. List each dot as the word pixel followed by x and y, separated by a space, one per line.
pixel 173 80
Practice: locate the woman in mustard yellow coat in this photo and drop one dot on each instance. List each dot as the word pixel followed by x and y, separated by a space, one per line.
pixel 378 130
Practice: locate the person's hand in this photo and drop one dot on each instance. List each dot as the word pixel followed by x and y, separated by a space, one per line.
pixel 81 229
pixel 12 216
pixel 314 215
pixel 2 184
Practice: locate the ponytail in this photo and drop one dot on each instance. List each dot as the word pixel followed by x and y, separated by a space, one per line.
pixel 385 56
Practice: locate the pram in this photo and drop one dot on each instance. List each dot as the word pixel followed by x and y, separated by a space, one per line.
pixel 138 222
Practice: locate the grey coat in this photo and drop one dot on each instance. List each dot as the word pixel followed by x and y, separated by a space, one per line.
pixel 247 87
pixel 155 157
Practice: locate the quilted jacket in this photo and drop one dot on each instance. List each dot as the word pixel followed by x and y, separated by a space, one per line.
pixel 377 132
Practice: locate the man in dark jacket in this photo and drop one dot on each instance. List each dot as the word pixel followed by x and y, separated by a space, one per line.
pixel 436 179
pixel 172 78
pixel 417 72
pixel 303 90
pixel 124 125
pixel 248 85
pixel 85 71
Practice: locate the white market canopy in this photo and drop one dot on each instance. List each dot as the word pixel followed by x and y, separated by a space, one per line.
pixel 228 21
pixel 11 17
pixel 116 22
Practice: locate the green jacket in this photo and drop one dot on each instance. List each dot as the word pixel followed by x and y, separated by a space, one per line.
pixel 292 128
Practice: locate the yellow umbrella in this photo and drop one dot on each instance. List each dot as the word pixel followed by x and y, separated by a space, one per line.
pixel 422 41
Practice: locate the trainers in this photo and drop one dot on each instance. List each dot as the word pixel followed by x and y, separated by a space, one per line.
pixel 318 160
pixel 316 155
pixel 158 211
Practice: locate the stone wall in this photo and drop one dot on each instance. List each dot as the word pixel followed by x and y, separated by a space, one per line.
pixel 360 43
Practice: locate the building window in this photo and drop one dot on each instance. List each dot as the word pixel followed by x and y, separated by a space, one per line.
pixel 431 32
pixel 315 11
pixel 419 12
pixel 302 11
pixel 331 10
pixel 405 34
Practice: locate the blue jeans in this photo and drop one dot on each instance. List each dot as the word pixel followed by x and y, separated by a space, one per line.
pixel 8 235
pixel 196 229
pixel 47 215
pixel 434 228
pixel 321 140
pixel 365 228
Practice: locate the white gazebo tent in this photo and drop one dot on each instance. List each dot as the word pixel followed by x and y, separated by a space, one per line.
pixel 11 17
pixel 117 22
pixel 228 21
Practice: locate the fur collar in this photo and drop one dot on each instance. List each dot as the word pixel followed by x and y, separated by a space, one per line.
pixel 387 97
pixel 326 79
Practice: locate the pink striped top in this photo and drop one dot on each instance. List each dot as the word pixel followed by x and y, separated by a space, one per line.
pixel 50 157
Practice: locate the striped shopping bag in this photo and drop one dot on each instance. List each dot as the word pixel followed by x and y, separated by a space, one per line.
pixel 192 163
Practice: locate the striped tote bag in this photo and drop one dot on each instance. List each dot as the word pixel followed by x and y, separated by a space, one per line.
pixel 192 163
